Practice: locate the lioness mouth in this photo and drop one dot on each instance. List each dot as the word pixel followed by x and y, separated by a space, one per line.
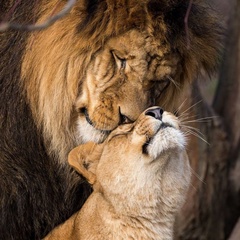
pixel 150 139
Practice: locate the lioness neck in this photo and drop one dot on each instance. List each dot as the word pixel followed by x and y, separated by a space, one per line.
pixel 122 226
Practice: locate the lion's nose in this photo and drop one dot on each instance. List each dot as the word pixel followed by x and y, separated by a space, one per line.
pixel 155 112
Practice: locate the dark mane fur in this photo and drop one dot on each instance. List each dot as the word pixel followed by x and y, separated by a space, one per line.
pixel 36 193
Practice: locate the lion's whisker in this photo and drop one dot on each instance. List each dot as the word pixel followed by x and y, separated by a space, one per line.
pixel 177 85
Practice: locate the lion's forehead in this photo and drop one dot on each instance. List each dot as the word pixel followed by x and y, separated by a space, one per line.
pixel 139 44
pixel 147 59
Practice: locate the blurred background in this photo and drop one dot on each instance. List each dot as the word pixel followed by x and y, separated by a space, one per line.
pixel 212 209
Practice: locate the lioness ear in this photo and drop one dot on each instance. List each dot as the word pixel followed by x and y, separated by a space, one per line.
pixel 84 160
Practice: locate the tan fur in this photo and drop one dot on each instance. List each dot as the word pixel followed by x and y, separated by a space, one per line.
pixel 76 64
pixel 136 195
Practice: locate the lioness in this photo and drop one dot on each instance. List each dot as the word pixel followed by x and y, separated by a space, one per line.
pixel 140 175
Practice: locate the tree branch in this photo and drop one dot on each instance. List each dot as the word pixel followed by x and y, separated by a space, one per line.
pixel 186 23
pixel 35 27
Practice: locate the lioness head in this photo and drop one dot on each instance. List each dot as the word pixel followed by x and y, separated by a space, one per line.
pixel 106 61
pixel 139 165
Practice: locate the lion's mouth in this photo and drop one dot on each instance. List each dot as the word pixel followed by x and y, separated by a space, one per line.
pixel 84 111
pixel 122 119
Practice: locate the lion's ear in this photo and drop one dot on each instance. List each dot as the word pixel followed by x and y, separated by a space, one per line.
pixel 84 160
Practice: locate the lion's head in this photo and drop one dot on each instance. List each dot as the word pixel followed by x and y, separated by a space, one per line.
pixel 107 61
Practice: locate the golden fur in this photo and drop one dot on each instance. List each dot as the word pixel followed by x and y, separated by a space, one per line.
pixel 136 193
pixel 118 61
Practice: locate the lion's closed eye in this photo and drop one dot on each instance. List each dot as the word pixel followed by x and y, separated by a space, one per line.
pixel 120 60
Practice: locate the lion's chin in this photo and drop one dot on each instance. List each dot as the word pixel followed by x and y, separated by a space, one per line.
pixel 86 132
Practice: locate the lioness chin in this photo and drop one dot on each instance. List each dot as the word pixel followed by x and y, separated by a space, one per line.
pixel 140 176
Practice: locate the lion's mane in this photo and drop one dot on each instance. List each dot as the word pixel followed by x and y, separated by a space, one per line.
pixel 41 74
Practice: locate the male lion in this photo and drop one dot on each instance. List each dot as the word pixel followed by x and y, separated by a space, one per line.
pixel 140 175
pixel 98 67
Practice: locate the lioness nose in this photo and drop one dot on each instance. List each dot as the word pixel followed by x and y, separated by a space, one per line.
pixel 155 112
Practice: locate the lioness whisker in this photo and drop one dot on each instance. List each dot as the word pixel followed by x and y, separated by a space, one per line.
pixel 193 129
pixel 188 109
pixel 197 135
pixel 185 117
pixel 197 175
pixel 205 119
pixel 180 107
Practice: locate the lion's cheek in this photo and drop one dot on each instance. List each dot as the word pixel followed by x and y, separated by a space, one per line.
pixel 105 116
pixel 87 133
pixel 104 119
